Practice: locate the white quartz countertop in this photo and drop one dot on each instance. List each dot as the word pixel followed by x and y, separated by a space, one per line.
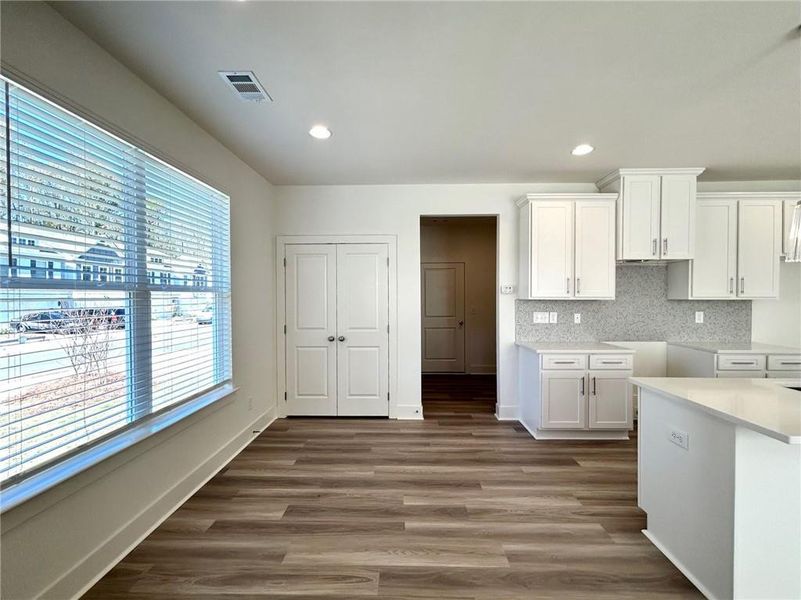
pixel 737 347
pixel 575 347
pixel 763 405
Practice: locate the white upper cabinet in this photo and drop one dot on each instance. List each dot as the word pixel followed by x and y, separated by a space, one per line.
pixel 567 246
pixel 656 212
pixel 789 201
pixel 737 248
pixel 552 249
pixel 759 244
pixel 677 216
pixel 714 269
pixel 595 249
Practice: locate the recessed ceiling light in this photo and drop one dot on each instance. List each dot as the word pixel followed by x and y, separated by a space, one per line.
pixel 582 149
pixel 320 132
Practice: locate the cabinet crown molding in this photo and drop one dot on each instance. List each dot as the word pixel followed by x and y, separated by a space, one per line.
pixel 749 195
pixel 522 201
pixel 618 173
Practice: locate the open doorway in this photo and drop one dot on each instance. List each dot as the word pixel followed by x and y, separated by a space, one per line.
pixel 458 285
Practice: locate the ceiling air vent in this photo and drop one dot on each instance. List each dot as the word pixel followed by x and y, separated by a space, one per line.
pixel 245 85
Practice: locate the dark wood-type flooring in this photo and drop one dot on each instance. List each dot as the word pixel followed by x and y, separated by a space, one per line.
pixel 458 506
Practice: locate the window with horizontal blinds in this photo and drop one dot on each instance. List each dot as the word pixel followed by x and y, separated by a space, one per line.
pixel 115 272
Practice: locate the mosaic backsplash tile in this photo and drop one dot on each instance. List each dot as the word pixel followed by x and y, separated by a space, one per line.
pixel 640 312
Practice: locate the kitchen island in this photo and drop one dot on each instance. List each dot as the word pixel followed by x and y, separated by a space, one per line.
pixel 719 476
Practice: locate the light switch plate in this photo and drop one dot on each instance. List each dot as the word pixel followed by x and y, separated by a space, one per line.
pixel 553 317
pixel 680 438
pixel 699 316
pixel 539 317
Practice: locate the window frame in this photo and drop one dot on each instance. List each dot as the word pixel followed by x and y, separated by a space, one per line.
pixel 142 421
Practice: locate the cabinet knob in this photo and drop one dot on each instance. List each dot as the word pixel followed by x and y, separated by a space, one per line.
pixel 331 338
pixel 341 338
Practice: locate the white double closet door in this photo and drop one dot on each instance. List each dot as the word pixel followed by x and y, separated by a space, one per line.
pixel 337 329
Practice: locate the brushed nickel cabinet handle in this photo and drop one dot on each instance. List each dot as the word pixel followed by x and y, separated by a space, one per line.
pixel 742 285
pixel 653 250
pixel 582 386
pixel 568 286
pixel 664 246
pixel 578 285
pixel 731 285
pixel 593 387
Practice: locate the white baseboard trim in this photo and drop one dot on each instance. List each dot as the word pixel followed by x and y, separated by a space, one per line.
pixel 679 565
pixel 542 434
pixel 506 412
pixel 409 412
pixel 77 580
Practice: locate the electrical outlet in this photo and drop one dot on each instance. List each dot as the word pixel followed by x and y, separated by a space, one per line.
pixel 680 438
pixel 539 317
pixel 507 288
pixel 577 318
pixel 553 317
pixel 699 316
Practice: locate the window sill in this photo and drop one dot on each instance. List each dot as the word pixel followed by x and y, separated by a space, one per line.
pixel 40 482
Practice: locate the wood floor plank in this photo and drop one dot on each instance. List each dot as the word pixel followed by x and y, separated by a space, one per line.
pixel 458 506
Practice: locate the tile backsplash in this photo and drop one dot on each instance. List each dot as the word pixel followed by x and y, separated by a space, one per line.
pixel 640 312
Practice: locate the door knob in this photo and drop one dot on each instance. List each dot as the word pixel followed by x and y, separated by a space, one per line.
pixel 331 338
pixel 341 338
pixel 461 323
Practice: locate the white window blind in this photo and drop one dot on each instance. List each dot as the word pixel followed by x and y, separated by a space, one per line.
pixel 115 300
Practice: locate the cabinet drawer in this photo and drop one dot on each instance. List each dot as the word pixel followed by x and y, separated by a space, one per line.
pixel 611 361
pixel 744 362
pixel 564 361
pixel 784 362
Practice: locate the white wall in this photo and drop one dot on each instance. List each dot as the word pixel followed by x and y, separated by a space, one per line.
pixel 470 241
pixel 396 210
pixel 57 543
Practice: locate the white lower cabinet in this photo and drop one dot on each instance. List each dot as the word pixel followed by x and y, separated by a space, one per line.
pixel 564 404
pixel 610 402
pixel 564 399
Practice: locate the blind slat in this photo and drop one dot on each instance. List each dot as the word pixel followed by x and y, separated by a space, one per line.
pixel 101 228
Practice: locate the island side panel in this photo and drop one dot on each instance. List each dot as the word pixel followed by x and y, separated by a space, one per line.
pixel 529 389
pixel 767 532
pixel 688 494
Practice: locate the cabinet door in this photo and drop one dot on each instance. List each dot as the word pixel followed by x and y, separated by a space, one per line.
pixel 640 220
pixel 789 207
pixel 564 404
pixel 595 249
pixel 677 210
pixel 714 267
pixel 552 249
pixel 758 248
pixel 610 404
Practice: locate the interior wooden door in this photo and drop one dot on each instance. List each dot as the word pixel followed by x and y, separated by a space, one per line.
pixel 442 286
pixel 362 330
pixel 311 347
